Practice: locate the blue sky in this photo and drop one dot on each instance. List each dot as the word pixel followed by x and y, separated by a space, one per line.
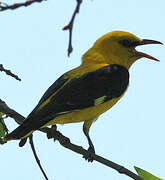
pixel 34 46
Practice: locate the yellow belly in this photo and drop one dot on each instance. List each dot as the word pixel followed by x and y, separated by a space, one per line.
pixel 83 114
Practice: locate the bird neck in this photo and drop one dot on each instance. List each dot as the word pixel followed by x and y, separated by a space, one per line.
pixel 92 56
pixel 101 57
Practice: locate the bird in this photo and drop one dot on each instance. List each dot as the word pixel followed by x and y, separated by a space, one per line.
pixel 87 91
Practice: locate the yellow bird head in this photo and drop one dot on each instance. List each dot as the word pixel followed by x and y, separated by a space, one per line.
pixel 118 47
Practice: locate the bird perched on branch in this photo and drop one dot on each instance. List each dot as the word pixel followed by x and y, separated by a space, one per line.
pixel 84 93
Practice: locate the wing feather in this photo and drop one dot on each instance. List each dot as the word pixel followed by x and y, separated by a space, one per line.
pixel 67 95
pixel 83 92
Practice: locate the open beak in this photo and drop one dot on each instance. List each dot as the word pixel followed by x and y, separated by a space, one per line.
pixel 144 42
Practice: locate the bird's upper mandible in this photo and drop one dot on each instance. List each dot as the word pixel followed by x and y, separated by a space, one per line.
pixel 118 47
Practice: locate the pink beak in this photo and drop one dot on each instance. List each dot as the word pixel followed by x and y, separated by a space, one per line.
pixel 144 42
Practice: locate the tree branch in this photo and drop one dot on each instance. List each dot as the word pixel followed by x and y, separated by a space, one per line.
pixel 4 108
pixel 8 72
pixel 36 157
pixel 65 142
pixel 4 6
pixel 70 26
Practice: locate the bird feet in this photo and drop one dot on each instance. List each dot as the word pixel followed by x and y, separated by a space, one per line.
pixel 50 133
pixel 56 135
pixel 89 155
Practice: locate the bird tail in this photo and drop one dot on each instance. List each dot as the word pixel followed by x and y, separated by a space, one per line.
pixel 20 132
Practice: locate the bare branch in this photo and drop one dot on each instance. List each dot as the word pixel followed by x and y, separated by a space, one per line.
pixel 36 157
pixel 64 141
pixel 8 72
pixel 4 108
pixel 70 26
pixel 4 6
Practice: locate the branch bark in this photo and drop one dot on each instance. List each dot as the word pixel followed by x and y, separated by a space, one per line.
pixel 4 108
pixel 36 157
pixel 65 142
pixel 70 26
pixel 8 72
pixel 5 6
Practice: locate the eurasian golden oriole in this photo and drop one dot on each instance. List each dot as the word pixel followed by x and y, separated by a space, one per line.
pixel 84 93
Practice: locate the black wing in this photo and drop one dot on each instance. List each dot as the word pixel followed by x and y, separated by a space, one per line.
pixel 53 88
pixel 79 93
pixel 82 92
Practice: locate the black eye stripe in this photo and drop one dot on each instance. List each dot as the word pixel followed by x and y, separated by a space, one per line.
pixel 128 43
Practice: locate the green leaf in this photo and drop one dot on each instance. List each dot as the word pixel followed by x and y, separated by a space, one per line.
pixel 146 175
pixel 2 129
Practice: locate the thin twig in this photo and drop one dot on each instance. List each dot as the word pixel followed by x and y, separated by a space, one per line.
pixel 4 6
pixel 36 157
pixel 8 72
pixel 64 141
pixel 70 26
pixel 5 109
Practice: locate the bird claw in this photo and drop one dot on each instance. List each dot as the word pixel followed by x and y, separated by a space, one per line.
pixel 49 134
pixel 89 155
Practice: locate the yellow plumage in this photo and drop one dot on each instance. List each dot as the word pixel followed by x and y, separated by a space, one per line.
pixel 89 90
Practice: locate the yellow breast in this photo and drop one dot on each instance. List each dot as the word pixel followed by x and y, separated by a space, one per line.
pixel 83 114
